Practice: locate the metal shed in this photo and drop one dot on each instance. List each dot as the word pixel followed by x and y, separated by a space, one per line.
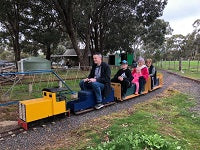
pixel 33 63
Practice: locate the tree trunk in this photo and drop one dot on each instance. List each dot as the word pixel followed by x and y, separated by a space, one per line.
pixel 96 38
pixel 48 54
pixel 65 12
pixel 87 45
pixel 14 32
pixel 101 38
pixel 16 49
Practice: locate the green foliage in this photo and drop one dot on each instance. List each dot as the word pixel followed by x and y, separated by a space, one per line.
pixel 137 141
pixel 6 55
pixel 132 29
pixel 12 15
pixel 107 26
pixel 42 28
pixel 155 35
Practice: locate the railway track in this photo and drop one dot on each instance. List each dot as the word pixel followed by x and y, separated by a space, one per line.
pixel 11 133
pixel 32 127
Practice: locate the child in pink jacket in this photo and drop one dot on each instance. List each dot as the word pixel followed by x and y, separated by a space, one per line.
pixel 136 76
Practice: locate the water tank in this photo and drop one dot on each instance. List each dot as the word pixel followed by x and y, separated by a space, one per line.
pixel 33 63
pixel 117 59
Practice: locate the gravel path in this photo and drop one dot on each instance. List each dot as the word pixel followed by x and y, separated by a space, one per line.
pixel 34 139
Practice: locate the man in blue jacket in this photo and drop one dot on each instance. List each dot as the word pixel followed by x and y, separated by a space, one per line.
pixel 98 80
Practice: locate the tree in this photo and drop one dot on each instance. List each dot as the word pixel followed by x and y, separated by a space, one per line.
pixel 196 33
pixel 155 37
pixel 155 34
pixel 119 25
pixel 175 48
pixel 11 16
pixel 65 10
pixel 42 28
pixel 2 47
pixel 105 24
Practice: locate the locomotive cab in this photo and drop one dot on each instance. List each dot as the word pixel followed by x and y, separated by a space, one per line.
pixel 86 101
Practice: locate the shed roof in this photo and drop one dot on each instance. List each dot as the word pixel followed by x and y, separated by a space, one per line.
pixel 69 52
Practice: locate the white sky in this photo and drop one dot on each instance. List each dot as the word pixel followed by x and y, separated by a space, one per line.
pixel 181 14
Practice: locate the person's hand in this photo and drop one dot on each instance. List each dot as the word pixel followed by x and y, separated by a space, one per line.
pixel 120 78
pixel 92 80
pixel 86 80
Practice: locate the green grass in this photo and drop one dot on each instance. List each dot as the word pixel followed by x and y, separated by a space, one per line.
pixel 193 71
pixel 163 124
pixel 20 92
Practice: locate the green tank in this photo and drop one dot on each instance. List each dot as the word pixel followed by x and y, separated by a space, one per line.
pixel 130 58
pixel 33 63
pixel 117 59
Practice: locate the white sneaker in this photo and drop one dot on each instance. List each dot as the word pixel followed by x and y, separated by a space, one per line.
pixel 98 106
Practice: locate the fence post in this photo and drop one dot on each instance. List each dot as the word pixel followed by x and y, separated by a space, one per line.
pixel 79 65
pixel 30 88
pixel 174 64
pixel 180 65
pixel 189 64
pixel 60 84
pixel 198 66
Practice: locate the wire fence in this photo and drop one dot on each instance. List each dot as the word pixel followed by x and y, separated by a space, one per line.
pixel 184 65
pixel 20 87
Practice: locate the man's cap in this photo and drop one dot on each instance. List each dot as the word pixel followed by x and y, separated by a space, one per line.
pixel 124 62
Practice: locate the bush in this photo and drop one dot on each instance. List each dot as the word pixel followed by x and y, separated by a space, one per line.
pixel 137 141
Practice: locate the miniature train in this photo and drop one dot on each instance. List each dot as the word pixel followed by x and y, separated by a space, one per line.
pixel 54 101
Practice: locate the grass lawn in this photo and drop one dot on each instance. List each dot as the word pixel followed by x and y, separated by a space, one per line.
pixel 162 123
pixel 187 71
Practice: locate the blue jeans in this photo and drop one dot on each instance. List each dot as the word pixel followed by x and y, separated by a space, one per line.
pixel 95 86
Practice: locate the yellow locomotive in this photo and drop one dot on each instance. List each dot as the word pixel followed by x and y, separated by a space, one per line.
pixel 52 103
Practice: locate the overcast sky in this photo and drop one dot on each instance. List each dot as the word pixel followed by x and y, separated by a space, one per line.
pixel 181 14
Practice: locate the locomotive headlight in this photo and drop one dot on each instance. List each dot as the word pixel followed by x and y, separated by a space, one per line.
pixel 22 111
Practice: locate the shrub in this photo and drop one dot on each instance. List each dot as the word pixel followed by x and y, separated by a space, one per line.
pixel 129 141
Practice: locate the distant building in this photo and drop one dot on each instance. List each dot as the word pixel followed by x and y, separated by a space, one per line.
pixel 70 58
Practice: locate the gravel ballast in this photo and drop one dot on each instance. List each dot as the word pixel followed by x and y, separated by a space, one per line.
pixel 34 139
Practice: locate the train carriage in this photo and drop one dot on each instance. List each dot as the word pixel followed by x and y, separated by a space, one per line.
pixel 130 91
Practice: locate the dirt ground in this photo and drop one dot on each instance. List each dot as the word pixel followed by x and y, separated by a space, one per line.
pixel 8 117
